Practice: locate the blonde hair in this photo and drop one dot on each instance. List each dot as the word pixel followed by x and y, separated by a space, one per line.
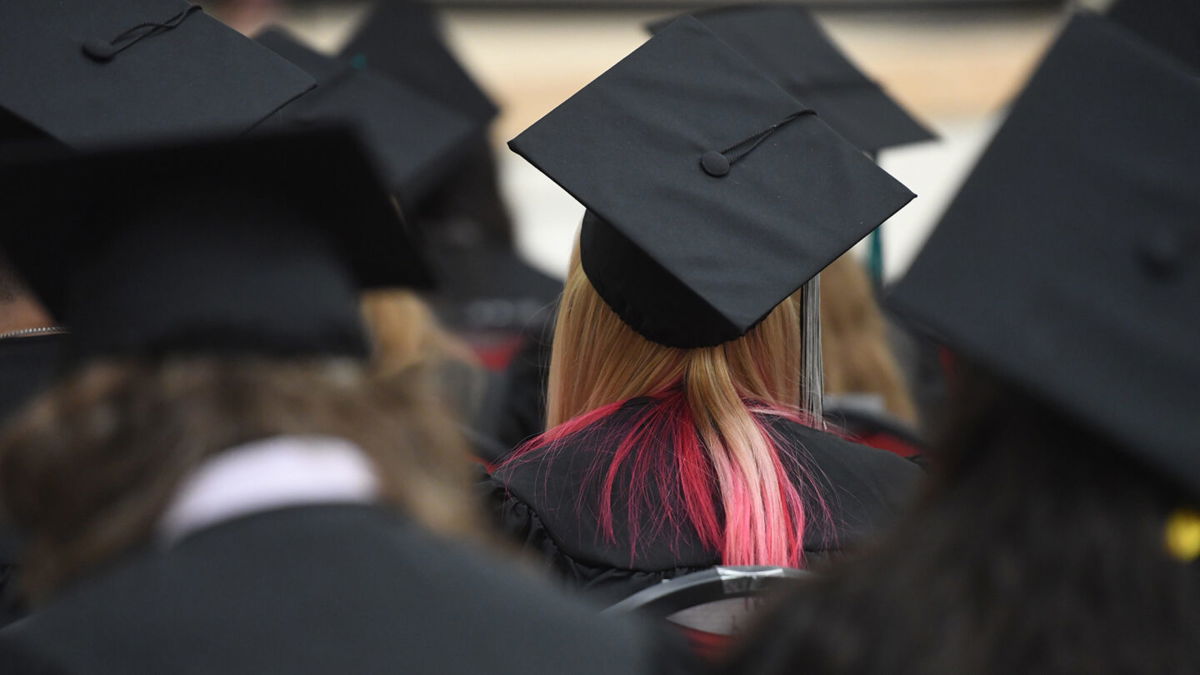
pixel 854 341
pixel 405 333
pixel 598 360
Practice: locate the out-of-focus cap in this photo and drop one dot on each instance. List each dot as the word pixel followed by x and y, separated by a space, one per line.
pixel 86 72
pixel 1171 25
pixel 712 194
pixel 257 245
pixel 1070 260
pixel 413 137
pixel 789 46
pixel 402 39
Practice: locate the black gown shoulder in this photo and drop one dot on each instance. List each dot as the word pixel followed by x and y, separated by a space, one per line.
pixel 548 504
pixel 318 590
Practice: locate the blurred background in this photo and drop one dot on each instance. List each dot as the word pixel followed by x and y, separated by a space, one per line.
pixel 953 63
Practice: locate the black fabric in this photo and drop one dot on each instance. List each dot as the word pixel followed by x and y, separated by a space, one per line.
pixel 788 44
pixel 1171 25
pixel 408 133
pixel 715 253
pixel 402 39
pixel 521 413
pixel 199 76
pixel 549 506
pixel 246 246
pixel 1068 261
pixel 318 590
pixel 27 365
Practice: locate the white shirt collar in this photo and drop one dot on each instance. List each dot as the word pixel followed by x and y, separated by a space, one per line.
pixel 269 474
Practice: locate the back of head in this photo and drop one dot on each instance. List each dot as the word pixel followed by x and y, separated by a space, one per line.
pixel 1038 548
pixel 708 412
pixel 599 360
pixel 87 471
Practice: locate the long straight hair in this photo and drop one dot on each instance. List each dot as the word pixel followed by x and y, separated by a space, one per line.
pixel 706 445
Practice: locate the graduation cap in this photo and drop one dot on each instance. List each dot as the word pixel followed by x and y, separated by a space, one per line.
pixel 86 72
pixel 1171 25
pixel 712 194
pixel 411 135
pixel 788 45
pixel 402 39
pixel 1070 260
pixel 257 245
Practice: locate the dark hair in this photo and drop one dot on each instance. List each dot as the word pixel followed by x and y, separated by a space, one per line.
pixel 1038 548
pixel 88 469
pixel 11 286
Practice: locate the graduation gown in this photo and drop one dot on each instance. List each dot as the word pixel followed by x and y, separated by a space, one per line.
pixel 548 506
pixel 332 588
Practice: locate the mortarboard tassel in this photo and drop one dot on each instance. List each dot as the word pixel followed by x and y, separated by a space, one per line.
pixel 1183 534
pixel 812 365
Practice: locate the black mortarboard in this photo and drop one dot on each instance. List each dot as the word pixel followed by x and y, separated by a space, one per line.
pixel 87 72
pixel 790 47
pixel 402 39
pixel 1069 260
pixel 712 194
pixel 411 135
pixel 256 245
pixel 1171 25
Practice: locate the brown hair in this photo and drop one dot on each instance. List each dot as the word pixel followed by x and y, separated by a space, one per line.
pixel 88 470
pixel 408 343
pixel 854 341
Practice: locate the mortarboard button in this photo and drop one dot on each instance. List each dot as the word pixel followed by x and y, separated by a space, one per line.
pixel 99 50
pixel 714 164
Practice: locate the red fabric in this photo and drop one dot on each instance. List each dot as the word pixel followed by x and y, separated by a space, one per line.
pixel 496 355
pixel 709 646
pixel 885 441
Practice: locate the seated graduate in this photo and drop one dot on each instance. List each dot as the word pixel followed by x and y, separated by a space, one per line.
pixel 488 294
pixel 1060 532
pixel 215 485
pixel 788 45
pixel 677 437
pixel 416 138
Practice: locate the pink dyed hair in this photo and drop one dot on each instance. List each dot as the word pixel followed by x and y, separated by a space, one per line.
pixel 704 451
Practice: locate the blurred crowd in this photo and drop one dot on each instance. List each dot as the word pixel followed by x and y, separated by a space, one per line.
pixel 280 392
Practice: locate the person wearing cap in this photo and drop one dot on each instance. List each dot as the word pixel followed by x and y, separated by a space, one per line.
pixel 489 295
pixel 214 485
pixel 677 439
pixel 1060 532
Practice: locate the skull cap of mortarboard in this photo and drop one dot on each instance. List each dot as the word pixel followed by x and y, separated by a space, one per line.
pixel 411 135
pixel 1171 25
pixel 789 46
pixel 251 246
pixel 1068 263
pixel 86 72
pixel 712 194
pixel 402 39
